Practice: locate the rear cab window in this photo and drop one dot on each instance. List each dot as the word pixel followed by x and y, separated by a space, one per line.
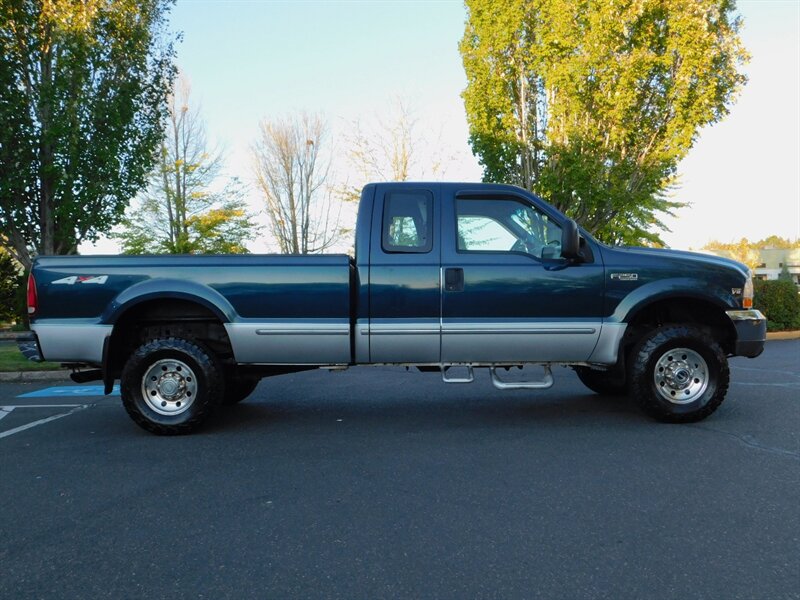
pixel 407 222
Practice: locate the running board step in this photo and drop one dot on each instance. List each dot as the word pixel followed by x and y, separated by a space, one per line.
pixel 468 379
pixel 543 384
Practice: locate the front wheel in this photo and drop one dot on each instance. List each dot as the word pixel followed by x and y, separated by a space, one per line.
pixel 169 386
pixel 679 374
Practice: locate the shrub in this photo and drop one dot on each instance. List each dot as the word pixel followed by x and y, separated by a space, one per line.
pixel 780 302
pixel 9 280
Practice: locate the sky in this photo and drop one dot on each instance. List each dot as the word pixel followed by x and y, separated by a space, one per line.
pixel 249 60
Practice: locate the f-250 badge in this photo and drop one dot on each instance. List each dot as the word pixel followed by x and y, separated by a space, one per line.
pixel 625 276
pixel 72 280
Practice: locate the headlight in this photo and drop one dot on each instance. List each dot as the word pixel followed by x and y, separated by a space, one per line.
pixel 747 292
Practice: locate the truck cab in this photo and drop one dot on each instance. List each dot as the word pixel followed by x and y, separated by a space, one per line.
pixel 459 274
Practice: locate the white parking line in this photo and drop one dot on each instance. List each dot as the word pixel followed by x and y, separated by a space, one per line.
pixel 13 406
pixel 4 410
pixel 41 421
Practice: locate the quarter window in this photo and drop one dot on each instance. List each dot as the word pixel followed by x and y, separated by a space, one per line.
pixel 407 222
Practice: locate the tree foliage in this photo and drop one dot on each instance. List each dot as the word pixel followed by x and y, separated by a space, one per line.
pixel 185 209
pixel 390 149
pixel 593 104
pixel 747 252
pixel 82 89
pixel 292 165
pixel 10 280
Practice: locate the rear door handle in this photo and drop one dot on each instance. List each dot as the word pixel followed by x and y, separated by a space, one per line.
pixel 454 279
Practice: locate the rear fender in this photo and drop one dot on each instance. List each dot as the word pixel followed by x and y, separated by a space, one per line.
pixel 162 289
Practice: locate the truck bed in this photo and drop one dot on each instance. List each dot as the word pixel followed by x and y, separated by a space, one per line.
pixel 258 296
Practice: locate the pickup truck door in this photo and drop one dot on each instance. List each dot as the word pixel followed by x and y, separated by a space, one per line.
pixel 404 287
pixel 508 296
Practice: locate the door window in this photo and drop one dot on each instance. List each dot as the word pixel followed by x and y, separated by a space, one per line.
pixel 506 226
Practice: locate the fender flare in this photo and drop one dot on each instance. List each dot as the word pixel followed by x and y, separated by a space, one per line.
pixel 173 289
pixel 665 289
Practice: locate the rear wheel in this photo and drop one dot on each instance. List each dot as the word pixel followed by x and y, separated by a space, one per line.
pixel 602 382
pixel 169 386
pixel 679 374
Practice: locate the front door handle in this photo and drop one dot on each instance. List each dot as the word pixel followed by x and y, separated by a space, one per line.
pixel 454 279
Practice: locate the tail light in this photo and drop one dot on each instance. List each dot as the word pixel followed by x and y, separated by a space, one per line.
pixel 33 298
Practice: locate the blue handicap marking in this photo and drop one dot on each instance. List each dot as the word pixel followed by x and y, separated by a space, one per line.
pixel 69 391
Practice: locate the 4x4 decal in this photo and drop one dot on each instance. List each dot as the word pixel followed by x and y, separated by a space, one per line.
pixel 73 279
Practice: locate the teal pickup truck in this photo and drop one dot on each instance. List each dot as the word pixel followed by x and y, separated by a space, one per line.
pixel 446 277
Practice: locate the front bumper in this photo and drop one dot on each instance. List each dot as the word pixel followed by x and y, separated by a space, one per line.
pixel 751 332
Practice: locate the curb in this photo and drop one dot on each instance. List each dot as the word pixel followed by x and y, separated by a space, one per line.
pixel 28 376
pixel 783 335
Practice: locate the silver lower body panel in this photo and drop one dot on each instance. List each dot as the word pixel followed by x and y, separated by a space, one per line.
pixel 290 343
pixel 401 340
pixel 72 342
pixel 515 342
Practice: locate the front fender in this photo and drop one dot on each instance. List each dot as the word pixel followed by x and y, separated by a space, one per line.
pixel 165 288
pixel 663 289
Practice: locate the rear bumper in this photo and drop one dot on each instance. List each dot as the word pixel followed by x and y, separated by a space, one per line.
pixel 29 347
pixel 751 332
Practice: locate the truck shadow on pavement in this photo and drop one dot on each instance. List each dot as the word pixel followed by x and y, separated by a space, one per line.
pixel 469 411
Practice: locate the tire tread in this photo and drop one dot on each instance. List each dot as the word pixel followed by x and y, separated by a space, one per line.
pixel 212 374
pixel 640 378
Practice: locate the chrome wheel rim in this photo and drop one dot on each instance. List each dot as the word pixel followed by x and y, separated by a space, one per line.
pixel 169 387
pixel 681 375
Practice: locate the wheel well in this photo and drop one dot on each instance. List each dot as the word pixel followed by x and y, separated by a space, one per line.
pixel 165 318
pixel 701 313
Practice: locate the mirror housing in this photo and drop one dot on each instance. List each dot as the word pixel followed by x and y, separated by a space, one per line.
pixel 570 240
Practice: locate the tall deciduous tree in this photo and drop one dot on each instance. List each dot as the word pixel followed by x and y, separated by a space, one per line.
pixel 82 90
pixel 393 148
pixel 186 208
pixel 292 165
pixel 593 104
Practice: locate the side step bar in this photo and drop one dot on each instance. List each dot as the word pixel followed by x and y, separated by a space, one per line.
pixel 546 381
pixel 542 384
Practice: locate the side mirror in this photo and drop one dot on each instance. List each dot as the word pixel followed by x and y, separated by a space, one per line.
pixel 570 240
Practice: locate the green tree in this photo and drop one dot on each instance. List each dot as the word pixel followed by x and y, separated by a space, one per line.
pixel 593 104
pixel 10 280
pixel 82 89
pixel 185 210
pixel 785 275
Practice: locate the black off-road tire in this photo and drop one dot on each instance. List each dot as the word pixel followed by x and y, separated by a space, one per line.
pixel 238 388
pixel 208 381
pixel 656 348
pixel 601 382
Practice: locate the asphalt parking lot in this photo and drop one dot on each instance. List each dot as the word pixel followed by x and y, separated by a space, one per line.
pixel 382 483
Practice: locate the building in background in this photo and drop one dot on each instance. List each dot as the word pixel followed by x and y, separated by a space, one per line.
pixel 773 260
